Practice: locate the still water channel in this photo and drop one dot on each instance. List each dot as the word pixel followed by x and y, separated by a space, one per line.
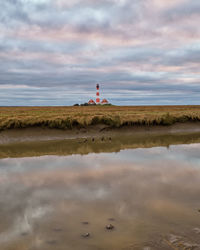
pixel 151 196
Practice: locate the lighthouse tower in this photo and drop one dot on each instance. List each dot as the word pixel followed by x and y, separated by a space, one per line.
pixel 97 95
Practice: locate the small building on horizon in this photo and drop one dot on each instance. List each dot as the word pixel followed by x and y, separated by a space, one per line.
pixel 104 102
pixel 91 102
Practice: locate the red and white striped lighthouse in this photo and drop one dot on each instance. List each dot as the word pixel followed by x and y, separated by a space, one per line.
pixel 97 95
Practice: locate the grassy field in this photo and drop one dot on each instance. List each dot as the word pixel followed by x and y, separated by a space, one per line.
pixel 113 116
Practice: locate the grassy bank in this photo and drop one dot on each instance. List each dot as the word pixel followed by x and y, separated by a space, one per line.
pixel 113 116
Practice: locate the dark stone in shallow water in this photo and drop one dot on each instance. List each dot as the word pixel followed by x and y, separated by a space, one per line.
pixel 109 227
pixel 85 222
pixel 85 235
pixel 24 234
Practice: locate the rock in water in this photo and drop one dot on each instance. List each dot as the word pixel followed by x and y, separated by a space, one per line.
pixel 85 222
pixel 109 227
pixel 86 235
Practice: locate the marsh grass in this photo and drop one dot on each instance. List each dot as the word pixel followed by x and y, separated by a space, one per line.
pixel 112 116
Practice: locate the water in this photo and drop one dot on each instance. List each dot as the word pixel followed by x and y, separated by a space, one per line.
pixel 151 196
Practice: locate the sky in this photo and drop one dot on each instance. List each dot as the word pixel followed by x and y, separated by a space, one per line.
pixel 141 52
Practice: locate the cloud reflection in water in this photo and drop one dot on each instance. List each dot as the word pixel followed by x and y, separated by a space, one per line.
pixel 153 188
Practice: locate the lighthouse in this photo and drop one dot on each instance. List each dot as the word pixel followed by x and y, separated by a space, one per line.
pixel 97 95
pixel 98 102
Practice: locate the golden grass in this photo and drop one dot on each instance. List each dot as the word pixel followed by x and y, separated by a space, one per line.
pixel 114 116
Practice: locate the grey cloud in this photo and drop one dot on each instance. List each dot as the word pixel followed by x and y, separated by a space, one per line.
pixel 12 10
pixel 36 62
pixel 183 56
pixel 85 16
pixel 186 9
pixel 154 56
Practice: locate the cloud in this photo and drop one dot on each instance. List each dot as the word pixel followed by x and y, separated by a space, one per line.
pixel 123 45
pixel 185 9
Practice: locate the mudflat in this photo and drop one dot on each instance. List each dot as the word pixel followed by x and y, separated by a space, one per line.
pixel 93 131
pixel 38 142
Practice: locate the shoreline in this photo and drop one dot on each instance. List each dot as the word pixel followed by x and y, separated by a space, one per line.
pixel 37 134
pixel 103 144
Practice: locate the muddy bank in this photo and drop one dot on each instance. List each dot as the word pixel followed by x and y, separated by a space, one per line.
pixel 106 141
pixel 44 134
